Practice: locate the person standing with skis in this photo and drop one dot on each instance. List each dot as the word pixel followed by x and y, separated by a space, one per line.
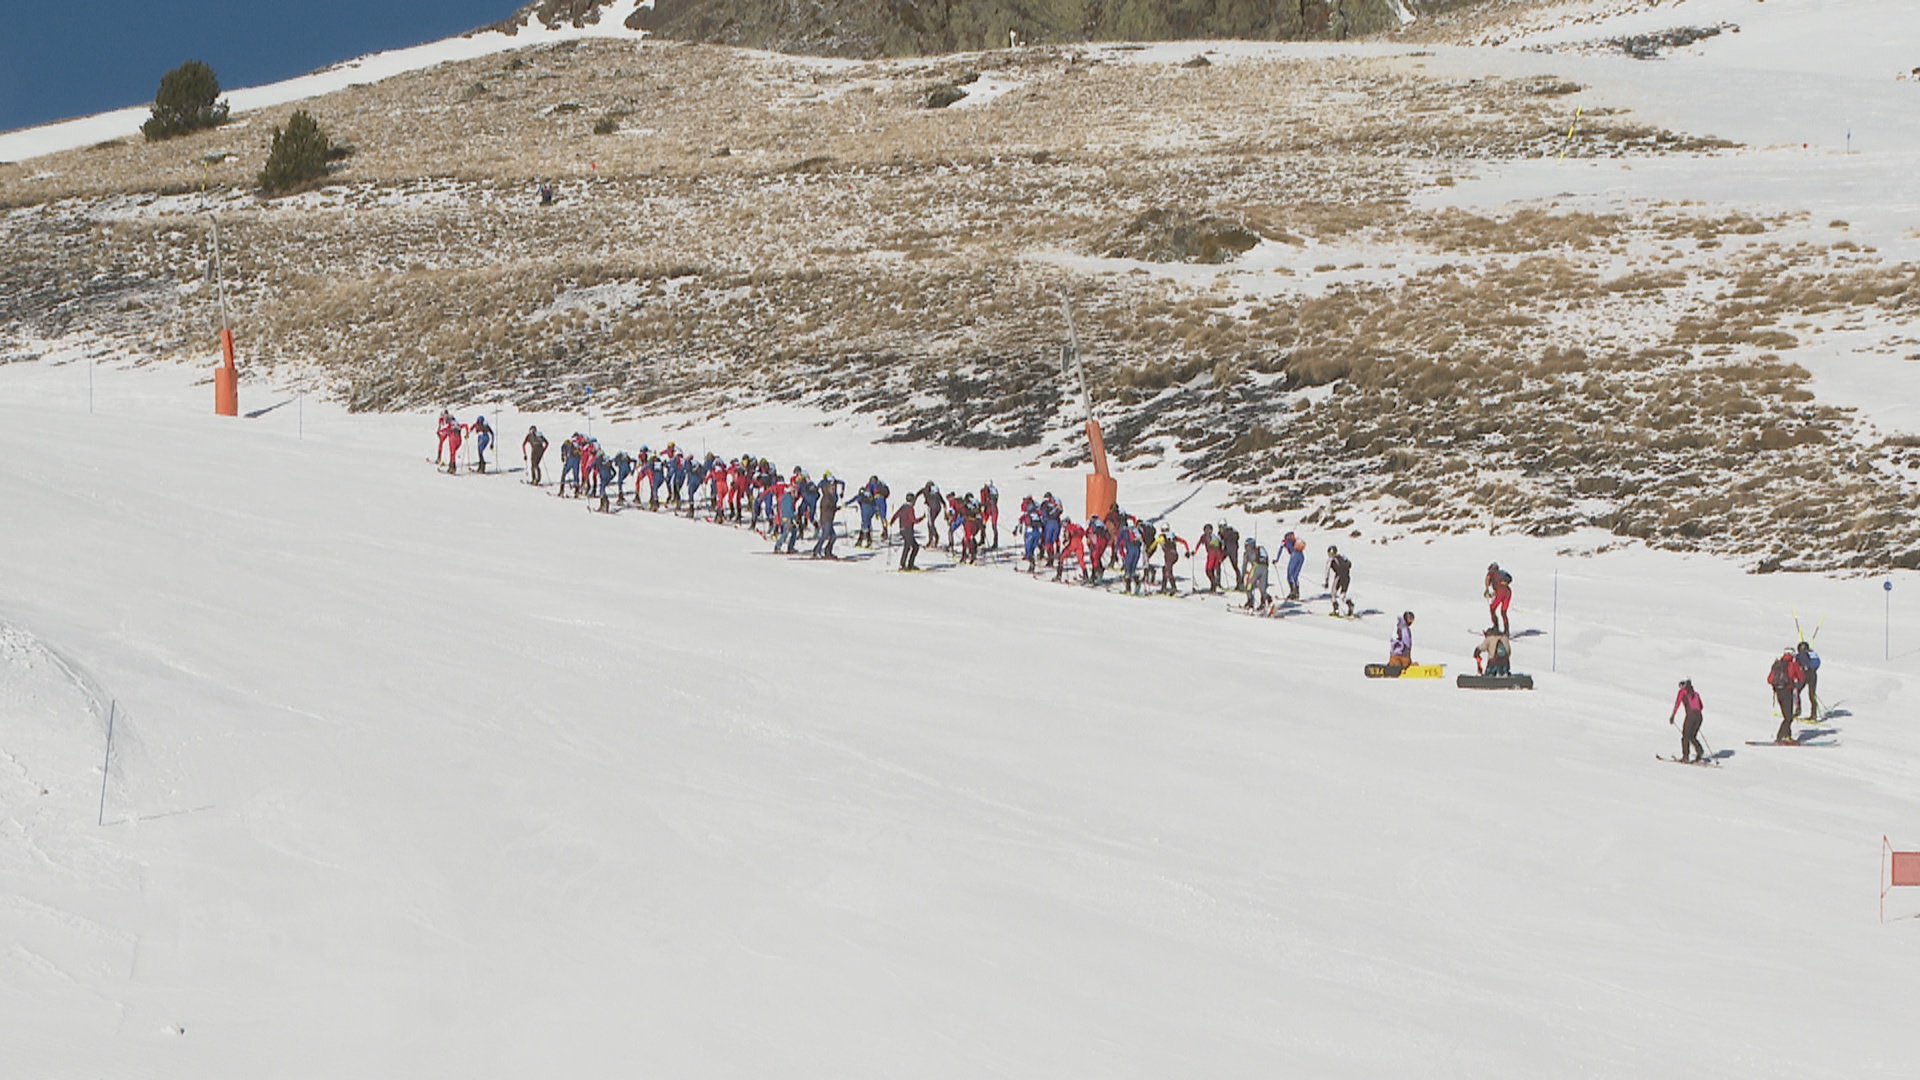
pixel 1499 593
pixel 1785 678
pixel 450 438
pixel 1688 698
pixel 482 441
pixel 1809 662
pixel 1339 579
pixel 829 511
pixel 1254 558
pixel 908 519
pixel 1296 550
pixel 532 449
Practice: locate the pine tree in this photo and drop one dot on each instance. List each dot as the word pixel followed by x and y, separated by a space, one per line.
pixel 188 100
pixel 299 155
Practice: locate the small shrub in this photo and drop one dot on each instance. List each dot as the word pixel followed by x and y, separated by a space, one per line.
pixel 606 125
pixel 299 155
pixel 187 101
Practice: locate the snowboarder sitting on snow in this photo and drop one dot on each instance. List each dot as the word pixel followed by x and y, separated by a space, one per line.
pixel 1786 679
pixel 1689 699
pixel 1495 654
pixel 1400 653
pixel 1499 592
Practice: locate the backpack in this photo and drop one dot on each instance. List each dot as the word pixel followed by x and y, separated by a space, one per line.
pixel 1812 662
pixel 1781 675
pixel 1506 578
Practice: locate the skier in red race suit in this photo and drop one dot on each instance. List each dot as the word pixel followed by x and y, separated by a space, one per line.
pixel 450 438
pixel 1075 547
pixel 1499 592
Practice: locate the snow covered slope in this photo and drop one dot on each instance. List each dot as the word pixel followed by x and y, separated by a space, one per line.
pixel 425 775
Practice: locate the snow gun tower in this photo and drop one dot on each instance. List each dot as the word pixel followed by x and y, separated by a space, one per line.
pixel 1102 490
pixel 226 378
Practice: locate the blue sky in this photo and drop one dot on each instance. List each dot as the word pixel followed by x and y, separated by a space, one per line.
pixel 64 60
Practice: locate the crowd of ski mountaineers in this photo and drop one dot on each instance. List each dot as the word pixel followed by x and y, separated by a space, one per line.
pixel 1139 555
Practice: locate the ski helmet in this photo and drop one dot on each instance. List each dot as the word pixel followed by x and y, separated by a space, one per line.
pixel 1407 615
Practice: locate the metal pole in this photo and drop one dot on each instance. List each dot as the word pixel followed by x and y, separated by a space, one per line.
pixel 300 410
pixel 1554 666
pixel 89 386
pixel 1886 633
pixel 112 708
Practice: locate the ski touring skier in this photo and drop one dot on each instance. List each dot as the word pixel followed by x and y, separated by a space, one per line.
pixel 1809 662
pixel 908 520
pixel 1400 652
pixel 1786 680
pixel 482 441
pixel 450 439
pixel 1211 544
pixel 444 427
pixel 1691 749
pixel 829 510
pixel 1296 550
pixel 1229 550
pixel 532 449
pixel 1254 557
pixel 1499 593
pixel 1339 579
pixel 1131 546
pixel 1169 546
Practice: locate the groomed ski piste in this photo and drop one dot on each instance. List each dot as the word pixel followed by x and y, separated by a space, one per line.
pixel 420 775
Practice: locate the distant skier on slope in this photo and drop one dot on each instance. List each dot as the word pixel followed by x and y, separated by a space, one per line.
pixel 1689 699
pixel 1400 652
pixel 1499 593
pixel 1254 558
pixel 482 441
pixel 443 427
pixel 1339 578
pixel 1809 662
pixel 450 438
pixel 908 520
pixel 1786 679
pixel 532 449
pixel 1296 550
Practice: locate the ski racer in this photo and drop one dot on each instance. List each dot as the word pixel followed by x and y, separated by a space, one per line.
pixel 1229 550
pixel 829 510
pixel 532 449
pixel 1786 679
pixel 450 438
pixel 1254 558
pixel 1499 592
pixel 1339 578
pixel 1296 550
pixel 482 441
pixel 1212 545
pixel 1168 545
pixel 908 519
pixel 1689 699
pixel 1809 662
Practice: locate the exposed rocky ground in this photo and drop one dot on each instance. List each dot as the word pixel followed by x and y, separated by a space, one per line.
pixel 1259 295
